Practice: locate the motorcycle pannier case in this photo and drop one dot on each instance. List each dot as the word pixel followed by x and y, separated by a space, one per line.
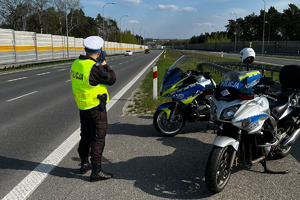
pixel 289 76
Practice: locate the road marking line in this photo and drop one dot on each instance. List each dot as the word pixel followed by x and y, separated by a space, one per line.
pixel 68 81
pixel 61 70
pixel 16 79
pixel 39 174
pixel 43 73
pixel 21 96
pixel 268 63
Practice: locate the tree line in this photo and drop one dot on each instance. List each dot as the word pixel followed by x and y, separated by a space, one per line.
pixel 283 26
pixel 55 16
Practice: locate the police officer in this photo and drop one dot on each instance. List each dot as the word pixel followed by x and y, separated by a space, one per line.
pixel 89 80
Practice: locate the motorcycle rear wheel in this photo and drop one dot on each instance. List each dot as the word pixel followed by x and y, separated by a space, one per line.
pixel 218 171
pixel 169 128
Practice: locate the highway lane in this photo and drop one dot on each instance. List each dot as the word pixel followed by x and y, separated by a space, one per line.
pixel 38 113
pixel 260 59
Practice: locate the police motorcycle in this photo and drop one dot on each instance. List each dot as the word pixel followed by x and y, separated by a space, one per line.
pixel 254 122
pixel 189 103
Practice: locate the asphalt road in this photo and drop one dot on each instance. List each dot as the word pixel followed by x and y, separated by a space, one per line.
pixel 145 164
pixel 260 59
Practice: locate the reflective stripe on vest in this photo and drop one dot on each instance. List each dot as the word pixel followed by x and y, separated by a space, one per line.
pixel 85 95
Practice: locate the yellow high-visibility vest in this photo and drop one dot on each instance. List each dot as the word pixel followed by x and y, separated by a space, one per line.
pixel 85 95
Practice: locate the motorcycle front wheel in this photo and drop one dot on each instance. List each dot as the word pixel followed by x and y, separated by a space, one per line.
pixel 218 170
pixel 169 128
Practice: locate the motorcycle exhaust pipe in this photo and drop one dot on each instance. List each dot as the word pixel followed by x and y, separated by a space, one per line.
pixel 292 138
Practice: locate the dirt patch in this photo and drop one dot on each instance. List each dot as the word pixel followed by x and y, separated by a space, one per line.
pixel 130 108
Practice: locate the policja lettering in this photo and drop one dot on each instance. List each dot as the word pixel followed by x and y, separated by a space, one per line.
pixel 76 75
pixel 231 84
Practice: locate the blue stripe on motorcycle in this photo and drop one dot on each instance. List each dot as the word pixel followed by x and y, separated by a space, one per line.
pixel 255 118
pixel 164 106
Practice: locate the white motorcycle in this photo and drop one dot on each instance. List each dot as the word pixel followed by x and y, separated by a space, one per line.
pixel 254 123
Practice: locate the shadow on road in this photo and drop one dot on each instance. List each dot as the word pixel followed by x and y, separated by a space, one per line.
pixel 179 175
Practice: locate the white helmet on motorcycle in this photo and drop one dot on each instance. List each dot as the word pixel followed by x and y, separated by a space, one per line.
pixel 247 55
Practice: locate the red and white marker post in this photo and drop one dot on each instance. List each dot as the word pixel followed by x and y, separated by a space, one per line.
pixel 155 82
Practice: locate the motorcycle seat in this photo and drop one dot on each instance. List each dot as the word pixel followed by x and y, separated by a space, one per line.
pixel 278 107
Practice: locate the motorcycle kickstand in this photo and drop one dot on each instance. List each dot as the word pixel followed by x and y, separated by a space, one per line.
pixel 267 170
pixel 207 126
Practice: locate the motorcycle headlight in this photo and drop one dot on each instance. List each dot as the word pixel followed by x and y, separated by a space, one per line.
pixel 228 113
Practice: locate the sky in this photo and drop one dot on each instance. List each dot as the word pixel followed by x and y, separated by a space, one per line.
pixel 181 19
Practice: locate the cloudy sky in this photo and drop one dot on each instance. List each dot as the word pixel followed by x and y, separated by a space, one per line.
pixel 166 19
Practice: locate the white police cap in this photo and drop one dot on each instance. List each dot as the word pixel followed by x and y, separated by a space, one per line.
pixel 93 44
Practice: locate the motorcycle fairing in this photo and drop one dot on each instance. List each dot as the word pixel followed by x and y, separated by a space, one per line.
pixel 166 107
pixel 252 115
pixel 171 85
pixel 251 78
pixel 188 94
pixel 248 78
pixel 221 105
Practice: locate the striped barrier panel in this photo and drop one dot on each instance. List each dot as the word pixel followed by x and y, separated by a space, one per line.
pixel 24 46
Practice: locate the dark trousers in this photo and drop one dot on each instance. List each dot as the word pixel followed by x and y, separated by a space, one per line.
pixel 93 132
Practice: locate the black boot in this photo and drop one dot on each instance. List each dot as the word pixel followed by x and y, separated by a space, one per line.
pixel 98 175
pixel 85 166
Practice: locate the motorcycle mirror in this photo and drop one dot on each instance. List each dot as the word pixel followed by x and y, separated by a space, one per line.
pixel 266 81
pixel 182 74
pixel 207 75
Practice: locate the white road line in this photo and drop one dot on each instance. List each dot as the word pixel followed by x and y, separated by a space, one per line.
pixel 43 73
pixel 68 81
pixel 23 70
pixel 16 79
pixel 39 174
pixel 267 63
pixel 61 70
pixel 21 96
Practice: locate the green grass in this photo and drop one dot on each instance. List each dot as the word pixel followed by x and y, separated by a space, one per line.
pixel 144 102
